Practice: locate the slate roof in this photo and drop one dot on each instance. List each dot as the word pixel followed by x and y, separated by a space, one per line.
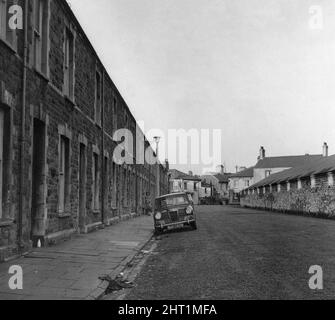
pixel 286 162
pixel 247 173
pixel 176 174
pixel 190 178
pixel 222 177
pixel 206 185
pixel 318 166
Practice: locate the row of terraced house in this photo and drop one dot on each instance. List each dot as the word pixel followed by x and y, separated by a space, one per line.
pixel 306 187
pixel 59 112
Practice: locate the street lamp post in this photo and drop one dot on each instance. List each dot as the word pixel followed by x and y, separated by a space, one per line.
pixel 157 140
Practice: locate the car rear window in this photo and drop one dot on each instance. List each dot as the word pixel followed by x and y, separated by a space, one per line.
pixel 171 201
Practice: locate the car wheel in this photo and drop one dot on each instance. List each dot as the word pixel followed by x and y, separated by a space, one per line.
pixel 194 225
pixel 158 231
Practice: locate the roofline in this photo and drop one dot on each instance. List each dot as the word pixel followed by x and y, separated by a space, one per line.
pixel 73 17
pixel 171 194
pixel 280 181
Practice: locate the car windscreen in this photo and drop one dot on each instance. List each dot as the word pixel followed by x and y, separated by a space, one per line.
pixel 171 201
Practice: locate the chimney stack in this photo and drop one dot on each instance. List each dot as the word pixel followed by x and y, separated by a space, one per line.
pixel 261 153
pixel 325 149
pixel 167 165
pixel 190 173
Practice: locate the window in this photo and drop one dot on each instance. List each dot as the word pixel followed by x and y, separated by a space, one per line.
pixel 124 185
pixel 279 187
pixel 64 174
pixel 330 179
pixel 114 113
pixel 267 173
pixel 125 119
pixel 6 33
pixel 106 181
pixel 299 184
pixel 96 183
pixel 313 182
pixel 97 114
pixel 171 201
pixel 114 173
pixel 69 64
pixel 2 118
pixel 41 35
pixel 247 183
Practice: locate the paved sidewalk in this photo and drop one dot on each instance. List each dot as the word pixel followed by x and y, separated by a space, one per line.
pixel 71 269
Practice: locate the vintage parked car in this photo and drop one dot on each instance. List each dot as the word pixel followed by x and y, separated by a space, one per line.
pixel 174 210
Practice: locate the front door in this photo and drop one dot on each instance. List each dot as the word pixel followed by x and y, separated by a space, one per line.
pixel 38 184
pixel 82 188
pixel 1 157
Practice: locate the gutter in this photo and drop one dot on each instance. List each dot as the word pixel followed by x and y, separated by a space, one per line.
pixel 23 124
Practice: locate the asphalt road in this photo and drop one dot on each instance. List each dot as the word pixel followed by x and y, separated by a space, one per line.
pixel 240 254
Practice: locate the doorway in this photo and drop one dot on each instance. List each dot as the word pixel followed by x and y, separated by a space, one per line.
pixel 82 188
pixel 2 117
pixel 38 207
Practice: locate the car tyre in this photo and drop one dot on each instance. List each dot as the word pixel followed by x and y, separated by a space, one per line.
pixel 158 231
pixel 194 225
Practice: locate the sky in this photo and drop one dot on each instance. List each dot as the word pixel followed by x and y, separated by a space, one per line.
pixel 256 69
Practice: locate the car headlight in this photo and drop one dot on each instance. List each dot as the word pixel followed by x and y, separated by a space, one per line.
pixel 189 210
pixel 158 216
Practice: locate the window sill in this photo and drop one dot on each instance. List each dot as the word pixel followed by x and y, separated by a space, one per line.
pixel 98 125
pixel 42 75
pixel 8 45
pixel 62 215
pixel 6 223
pixel 96 211
pixel 70 100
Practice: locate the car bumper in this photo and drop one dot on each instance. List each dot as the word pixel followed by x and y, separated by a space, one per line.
pixel 163 224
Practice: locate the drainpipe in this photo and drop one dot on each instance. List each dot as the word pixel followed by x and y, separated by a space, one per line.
pixel 23 124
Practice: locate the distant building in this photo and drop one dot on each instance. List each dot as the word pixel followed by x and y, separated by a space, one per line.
pixel 241 180
pixel 182 182
pixel 307 189
pixel 206 190
pixel 220 182
pixel 267 166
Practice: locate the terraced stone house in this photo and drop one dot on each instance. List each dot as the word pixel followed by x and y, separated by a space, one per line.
pixel 59 111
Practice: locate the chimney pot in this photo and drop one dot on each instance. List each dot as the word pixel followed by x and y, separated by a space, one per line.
pixel 325 150
pixel 222 169
pixel 261 153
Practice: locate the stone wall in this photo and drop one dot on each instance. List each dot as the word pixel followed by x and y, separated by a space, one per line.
pixel 317 202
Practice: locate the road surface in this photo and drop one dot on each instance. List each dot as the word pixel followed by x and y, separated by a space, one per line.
pixel 240 254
